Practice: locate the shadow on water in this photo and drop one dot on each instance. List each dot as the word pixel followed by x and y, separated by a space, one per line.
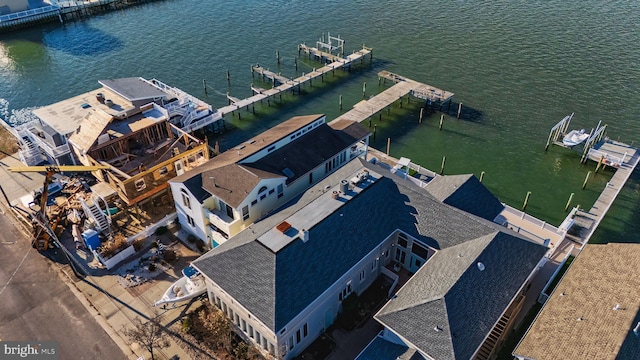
pixel 80 39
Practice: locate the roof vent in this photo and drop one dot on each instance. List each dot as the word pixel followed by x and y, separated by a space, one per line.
pixel 618 307
pixel 283 227
pixel 437 328
pixel 580 318
pixel 481 266
pixel 636 330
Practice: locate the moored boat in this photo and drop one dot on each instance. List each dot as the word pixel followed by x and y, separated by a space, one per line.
pixel 575 137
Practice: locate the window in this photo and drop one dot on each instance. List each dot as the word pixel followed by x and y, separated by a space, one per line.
pixel 190 221
pixel 186 201
pixel 264 343
pixel 244 325
pixel 271 148
pixel 251 331
pixel 292 137
pixel 310 178
pixel 419 250
pixel 254 202
pixel 272 349
pixel 272 191
pixel 224 308
pixel 163 171
pixel 262 189
pixel 402 240
pixel 290 342
pixel 280 191
pixel 373 264
pixel 305 330
pixel 298 336
pixel 245 212
pixel 263 196
pixel 140 185
pixel 362 275
pixel 258 337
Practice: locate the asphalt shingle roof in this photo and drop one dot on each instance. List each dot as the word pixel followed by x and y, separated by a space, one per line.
pixel 275 287
pixel 466 193
pixel 449 306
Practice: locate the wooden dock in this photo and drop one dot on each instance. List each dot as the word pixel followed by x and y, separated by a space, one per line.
pixel 586 222
pixel 403 87
pixel 282 84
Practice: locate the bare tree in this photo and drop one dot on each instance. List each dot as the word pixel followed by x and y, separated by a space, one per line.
pixel 149 335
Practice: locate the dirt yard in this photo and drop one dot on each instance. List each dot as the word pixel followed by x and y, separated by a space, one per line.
pixel 8 143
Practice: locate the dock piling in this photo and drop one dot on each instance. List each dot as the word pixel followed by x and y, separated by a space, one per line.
pixel 340 104
pixel 364 89
pixel 388 145
pixel 584 184
pixel 204 85
pixel 459 109
pixel 229 78
pixel 526 201
pixel 441 119
pixel 420 119
pixel 600 163
pixel 568 202
pixel 295 62
pixel 375 128
pixel 444 159
pixel 278 57
pixel 481 176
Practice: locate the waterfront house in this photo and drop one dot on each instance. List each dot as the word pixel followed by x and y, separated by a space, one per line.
pixel 45 137
pixel 231 191
pixel 594 312
pixel 282 280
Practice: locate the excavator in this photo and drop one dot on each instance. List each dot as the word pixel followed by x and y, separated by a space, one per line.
pixel 43 233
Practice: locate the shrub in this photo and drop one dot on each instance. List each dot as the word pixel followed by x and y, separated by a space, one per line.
pixel 201 246
pixel 169 255
pixel 113 246
pixel 186 325
pixel 154 244
pixel 138 244
pixel 161 230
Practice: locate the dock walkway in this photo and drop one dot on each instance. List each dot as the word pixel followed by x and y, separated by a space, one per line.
pixel 403 87
pixel 586 222
pixel 286 84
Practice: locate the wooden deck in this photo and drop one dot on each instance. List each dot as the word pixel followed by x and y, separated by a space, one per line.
pixel 586 223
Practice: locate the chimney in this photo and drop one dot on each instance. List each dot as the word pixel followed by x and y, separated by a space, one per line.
pixel 304 235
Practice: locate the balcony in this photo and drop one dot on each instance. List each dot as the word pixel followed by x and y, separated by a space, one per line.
pixel 220 220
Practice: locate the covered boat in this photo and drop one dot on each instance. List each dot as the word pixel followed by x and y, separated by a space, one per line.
pixel 190 285
pixel 575 137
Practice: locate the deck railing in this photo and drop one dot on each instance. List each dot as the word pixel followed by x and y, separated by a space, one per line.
pixel 28 13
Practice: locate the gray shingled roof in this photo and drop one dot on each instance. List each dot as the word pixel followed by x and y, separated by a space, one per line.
pixel 133 88
pixel 194 185
pixel 466 193
pixel 308 152
pixel 381 349
pixel 450 293
pixel 233 183
pixel 277 286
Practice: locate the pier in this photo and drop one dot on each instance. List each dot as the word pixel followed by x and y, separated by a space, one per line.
pixel 282 84
pixel 403 87
pixel 586 222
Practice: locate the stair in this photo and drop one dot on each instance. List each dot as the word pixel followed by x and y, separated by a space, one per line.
pixel 29 152
pixel 93 211
pixel 489 346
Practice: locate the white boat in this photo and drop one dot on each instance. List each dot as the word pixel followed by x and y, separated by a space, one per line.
pixel 190 285
pixel 575 137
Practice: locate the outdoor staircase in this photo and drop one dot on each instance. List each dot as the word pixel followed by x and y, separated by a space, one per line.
pixel 29 152
pixel 92 210
pixel 489 346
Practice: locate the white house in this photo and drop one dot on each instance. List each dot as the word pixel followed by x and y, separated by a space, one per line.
pixel 232 190
pixel 282 280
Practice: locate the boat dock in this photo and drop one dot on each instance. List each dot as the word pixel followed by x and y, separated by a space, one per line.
pixel 282 84
pixel 403 87
pixel 586 222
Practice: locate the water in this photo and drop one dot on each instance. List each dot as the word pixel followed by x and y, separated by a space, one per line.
pixel 518 67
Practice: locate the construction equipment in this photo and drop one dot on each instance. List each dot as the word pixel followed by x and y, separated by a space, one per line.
pixel 43 232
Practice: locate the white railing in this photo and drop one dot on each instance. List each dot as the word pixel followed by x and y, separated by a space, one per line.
pixel 199 124
pixel 607 158
pixel 220 220
pixel 182 96
pixel 532 220
pixel 28 13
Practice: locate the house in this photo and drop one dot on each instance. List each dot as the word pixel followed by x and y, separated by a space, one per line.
pixel 282 280
pixel 234 189
pixel 45 138
pixel 594 312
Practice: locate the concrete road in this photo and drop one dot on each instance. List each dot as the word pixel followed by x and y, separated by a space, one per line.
pixel 36 305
